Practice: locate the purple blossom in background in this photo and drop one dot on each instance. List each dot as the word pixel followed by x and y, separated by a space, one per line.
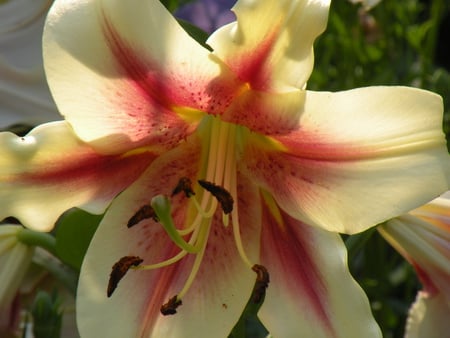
pixel 207 14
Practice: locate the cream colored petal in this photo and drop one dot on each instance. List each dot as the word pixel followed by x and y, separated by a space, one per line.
pixel 311 292
pixel 358 158
pixel 50 170
pixel 271 44
pixel 428 317
pixel 219 292
pixel 15 259
pixel 125 74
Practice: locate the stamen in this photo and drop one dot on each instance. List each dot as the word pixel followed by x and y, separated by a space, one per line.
pixel 202 241
pixel 162 207
pixel 119 270
pixel 223 196
pixel 261 284
pixel 170 308
pixel 145 212
pixel 184 185
pixel 162 264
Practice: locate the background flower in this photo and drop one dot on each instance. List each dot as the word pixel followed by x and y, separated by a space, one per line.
pixel 24 94
pixel 423 238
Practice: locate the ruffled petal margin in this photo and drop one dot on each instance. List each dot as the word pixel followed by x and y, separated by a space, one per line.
pixel 219 292
pixel 358 158
pixel 270 46
pixel 311 292
pixel 50 170
pixel 428 317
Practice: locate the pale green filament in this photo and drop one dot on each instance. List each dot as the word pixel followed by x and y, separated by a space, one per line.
pixel 219 168
pixel 161 206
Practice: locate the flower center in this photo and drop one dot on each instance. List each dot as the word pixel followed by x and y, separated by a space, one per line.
pixel 219 187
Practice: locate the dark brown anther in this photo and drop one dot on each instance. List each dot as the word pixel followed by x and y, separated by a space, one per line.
pixel 170 308
pixel 144 212
pixel 261 284
pixel 119 270
pixel 223 196
pixel 184 185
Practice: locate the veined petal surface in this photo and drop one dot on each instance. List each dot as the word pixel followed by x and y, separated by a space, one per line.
pixel 311 292
pixel 220 290
pixel 358 150
pixel 121 72
pixel 270 46
pixel 50 170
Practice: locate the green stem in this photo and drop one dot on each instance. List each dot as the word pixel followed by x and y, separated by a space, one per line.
pixel 40 239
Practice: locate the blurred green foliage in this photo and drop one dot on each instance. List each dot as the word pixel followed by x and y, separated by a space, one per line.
pixel 395 43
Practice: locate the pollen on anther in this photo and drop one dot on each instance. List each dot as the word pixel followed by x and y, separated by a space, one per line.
pixel 184 185
pixel 223 196
pixel 261 284
pixel 144 212
pixel 119 270
pixel 170 308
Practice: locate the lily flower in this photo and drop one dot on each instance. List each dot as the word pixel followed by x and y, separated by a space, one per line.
pixel 423 238
pixel 219 164
pixel 15 258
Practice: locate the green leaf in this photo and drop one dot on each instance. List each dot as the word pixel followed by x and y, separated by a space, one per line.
pixel 173 5
pixel 74 233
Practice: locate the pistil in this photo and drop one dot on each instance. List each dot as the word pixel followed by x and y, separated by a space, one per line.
pixel 219 187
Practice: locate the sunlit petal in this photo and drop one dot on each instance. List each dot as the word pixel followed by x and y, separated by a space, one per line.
pixel 350 150
pixel 311 292
pixel 118 84
pixel 263 47
pixel 50 170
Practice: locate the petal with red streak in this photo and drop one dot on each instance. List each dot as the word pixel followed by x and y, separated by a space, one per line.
pixel 50 170
pixel 425 245
pixel 358 157
pixel 124 73
pixel 266 113
pixel 271 44
pixel 220 291
pixel 311 292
